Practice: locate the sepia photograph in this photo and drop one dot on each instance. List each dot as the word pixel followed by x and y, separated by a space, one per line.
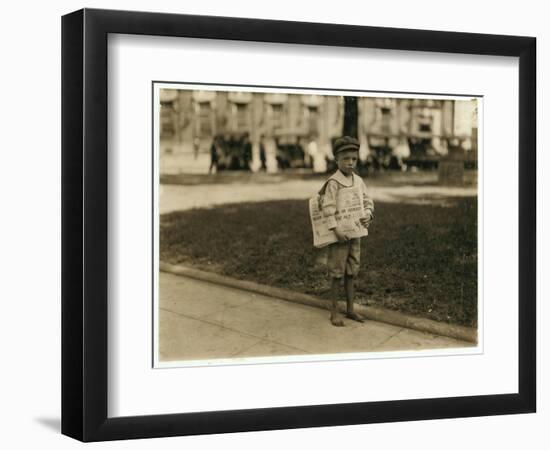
pixel 305 225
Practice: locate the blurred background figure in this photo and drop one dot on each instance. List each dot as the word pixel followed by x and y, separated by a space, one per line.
pixel 216 150
pixel 400 153
pixel 270 147
pixel 318 157
pixel 247 152
pixel 196 147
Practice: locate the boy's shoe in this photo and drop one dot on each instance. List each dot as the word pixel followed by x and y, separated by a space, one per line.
pixel 354 316
pixel 336 319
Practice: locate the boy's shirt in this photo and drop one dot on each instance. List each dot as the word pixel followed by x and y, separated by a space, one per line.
pixel 328 198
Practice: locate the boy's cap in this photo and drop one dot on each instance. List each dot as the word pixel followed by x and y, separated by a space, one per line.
pixel 345 143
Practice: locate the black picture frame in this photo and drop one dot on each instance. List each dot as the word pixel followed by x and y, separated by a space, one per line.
pixel 84 224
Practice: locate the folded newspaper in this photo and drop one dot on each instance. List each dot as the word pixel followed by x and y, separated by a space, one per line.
pixel 349 211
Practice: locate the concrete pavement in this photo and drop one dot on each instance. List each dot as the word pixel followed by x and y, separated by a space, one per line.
pixel 201 321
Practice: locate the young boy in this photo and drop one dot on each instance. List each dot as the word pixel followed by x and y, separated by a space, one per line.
pixel 344 255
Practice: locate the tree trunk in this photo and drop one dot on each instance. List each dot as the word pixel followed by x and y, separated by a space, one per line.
pixel 350 117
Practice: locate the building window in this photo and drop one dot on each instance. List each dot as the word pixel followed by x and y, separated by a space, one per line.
pixel 242 116
pixel 277 115
pixel 167 120
pixel 205 119
pixel 425 127
pixel 313 120
pixel 385 122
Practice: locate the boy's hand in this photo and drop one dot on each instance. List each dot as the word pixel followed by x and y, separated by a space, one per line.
pixel 340 235
pixel 365 221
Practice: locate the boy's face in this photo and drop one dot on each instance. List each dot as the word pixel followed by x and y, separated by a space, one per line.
pixel 347 161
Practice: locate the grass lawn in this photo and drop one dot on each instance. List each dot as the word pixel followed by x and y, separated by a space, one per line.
pixel 418 259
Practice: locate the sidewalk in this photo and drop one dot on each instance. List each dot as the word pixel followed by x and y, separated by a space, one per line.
pixel 178 198
pixel 201 320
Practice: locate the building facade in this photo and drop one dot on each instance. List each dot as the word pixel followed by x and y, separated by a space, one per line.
pixel 293 130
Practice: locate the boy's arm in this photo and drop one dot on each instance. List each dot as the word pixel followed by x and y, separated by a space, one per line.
pixel 328 204
pixel 368 203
